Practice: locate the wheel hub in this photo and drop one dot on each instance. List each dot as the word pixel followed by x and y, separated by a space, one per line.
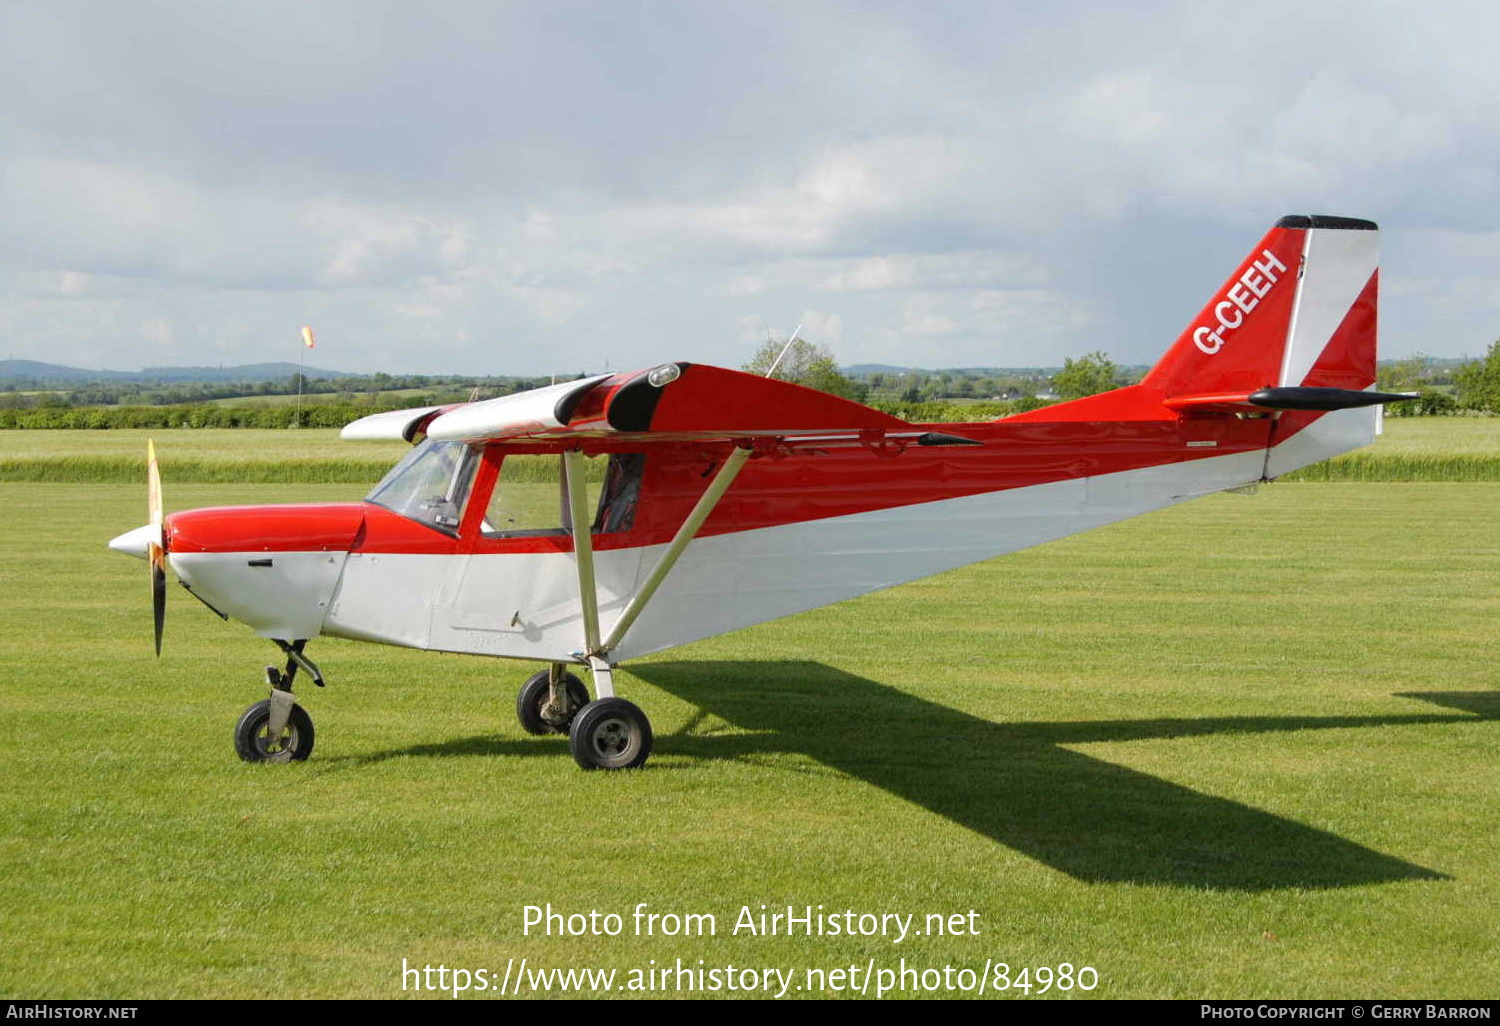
pixel 269 746
pixel 612 737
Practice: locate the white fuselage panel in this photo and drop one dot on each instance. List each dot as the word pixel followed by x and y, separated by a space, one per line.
pixel 526 606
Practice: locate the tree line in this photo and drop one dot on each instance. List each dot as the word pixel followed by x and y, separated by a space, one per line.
pixel 1442 387
pixel 193 415
pixel 23 393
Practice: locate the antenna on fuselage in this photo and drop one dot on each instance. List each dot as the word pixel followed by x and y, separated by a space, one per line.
pixel 789 341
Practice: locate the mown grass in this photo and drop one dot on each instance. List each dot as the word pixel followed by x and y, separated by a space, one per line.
pixel 1240 748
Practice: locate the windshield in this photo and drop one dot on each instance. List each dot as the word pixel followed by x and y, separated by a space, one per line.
pixel 430 484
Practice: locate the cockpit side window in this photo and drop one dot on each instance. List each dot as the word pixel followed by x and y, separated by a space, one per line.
pixel 430 485
pixel 531 496
pixel 622 488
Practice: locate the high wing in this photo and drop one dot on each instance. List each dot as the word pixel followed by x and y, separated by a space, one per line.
pixel 671 402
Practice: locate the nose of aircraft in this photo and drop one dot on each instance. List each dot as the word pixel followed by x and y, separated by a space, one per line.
pixel 133 543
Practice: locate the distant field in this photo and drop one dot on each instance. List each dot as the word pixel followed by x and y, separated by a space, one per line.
pixel 1412 449
pixel 186 454
pixel 393 397
pixel 1403 435
pixel 196 443
pixel 1419 449
pixel 1440 436
pixel 1242 748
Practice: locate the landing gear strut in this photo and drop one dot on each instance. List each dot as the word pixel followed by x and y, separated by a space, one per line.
pixel 609 733
pixel 550 700
pixel 277 729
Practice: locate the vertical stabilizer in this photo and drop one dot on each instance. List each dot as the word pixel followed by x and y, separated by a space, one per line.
pixel 1299 312
pixel 1331 342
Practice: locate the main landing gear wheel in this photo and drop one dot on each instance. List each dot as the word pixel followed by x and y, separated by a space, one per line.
pixel 253 741
pixel 610 734
pixel 531 704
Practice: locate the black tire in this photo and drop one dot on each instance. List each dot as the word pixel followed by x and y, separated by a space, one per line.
pixel 253 743
pixel 610 734
pixel 533 696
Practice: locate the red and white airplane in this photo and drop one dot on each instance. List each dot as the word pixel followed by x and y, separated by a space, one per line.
pixel 729 499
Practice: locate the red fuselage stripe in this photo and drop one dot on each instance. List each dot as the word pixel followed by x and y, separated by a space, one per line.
pixel 776 487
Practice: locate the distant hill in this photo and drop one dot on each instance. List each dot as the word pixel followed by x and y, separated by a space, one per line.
pixel 864 370
pixel 34 371
pixel 860 370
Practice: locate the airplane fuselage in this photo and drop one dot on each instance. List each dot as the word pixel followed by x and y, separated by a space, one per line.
pixel 804 525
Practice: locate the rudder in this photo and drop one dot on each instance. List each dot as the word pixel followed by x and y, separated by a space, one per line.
pixel 1293 329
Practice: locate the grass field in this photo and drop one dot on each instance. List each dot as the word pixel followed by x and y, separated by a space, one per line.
pixel 1241 748
pixel 1404 436
pixel 223 455
pixel 1440 436
pixel 218 444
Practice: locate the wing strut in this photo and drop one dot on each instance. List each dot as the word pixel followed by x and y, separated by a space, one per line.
pixel 689 529
pixel 596 653
pixel 583 548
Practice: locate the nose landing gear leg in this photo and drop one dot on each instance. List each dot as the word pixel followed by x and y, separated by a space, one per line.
pixel 277 729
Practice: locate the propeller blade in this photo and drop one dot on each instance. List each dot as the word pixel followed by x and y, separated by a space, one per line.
pixel 156 555
pixel 158 596
pixel 153 490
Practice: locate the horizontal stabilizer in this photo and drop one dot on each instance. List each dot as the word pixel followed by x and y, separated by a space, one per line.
pixel 943 438
pixel 1298 398
pixel 1324 398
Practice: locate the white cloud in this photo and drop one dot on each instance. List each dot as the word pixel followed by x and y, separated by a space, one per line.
pixel 159 334
pixel 490 188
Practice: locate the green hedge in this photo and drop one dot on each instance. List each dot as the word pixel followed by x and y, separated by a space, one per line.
pixel 1384 467
pixel 116 469
pixel 132 469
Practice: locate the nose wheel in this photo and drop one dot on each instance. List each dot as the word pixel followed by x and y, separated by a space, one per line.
pixel 256 740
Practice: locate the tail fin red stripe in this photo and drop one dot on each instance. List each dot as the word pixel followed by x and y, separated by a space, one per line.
pixel 1235 344
pixel 1300 310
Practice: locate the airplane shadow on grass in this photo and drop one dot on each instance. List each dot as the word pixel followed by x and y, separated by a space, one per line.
pixel 1015 783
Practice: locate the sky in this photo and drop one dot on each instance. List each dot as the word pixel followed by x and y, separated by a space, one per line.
pixel 558 187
